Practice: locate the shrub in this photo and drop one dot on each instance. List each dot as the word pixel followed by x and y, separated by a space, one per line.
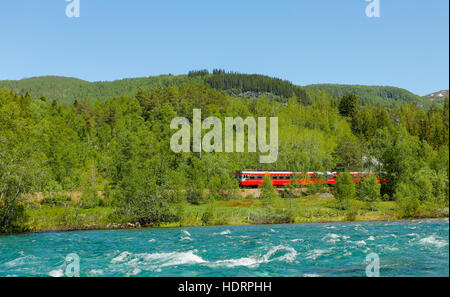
pixel 369 190
pixel 345 190
pixel 352 210
pixel 12 215
pixel 56 200
pixel 318 187
pixel 268 192
pixel 407 198
pixel 195 196
pixel 209 215
pixel 272 216
pixel 89 198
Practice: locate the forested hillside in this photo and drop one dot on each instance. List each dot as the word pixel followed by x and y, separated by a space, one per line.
pixel 67 90
pixel 122 147
pixel 381 95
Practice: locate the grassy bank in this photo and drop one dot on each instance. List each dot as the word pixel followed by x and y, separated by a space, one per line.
pixel 235 212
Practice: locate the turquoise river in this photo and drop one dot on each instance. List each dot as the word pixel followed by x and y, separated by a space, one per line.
pixel 410 248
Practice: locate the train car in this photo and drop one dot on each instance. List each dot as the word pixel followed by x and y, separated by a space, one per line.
pixel 255 178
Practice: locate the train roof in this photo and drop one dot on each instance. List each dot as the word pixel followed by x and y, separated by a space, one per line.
pixel 259 172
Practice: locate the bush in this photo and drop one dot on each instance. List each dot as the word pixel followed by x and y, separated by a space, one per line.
pixel 317 188
pixel 424 185
pixel 195 196
pixel 369 191
pixel 268 192
pixel 12 215
pixel 89 198
pixel 56 200
pixel 250 196
pixel 352 210
pixel 272 216
pixel 209 215
pixel 345 190
pixel 407 198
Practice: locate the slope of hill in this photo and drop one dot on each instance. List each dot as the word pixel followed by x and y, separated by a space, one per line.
pixel 437 97
pixel 66 90
pixel 383 95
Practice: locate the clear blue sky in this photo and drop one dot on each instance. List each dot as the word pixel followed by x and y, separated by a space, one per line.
pixel 304 41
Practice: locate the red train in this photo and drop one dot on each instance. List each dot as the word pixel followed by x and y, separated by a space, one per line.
pixel 251 178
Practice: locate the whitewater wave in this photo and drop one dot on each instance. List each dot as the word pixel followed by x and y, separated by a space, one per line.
pixel 278 253
pixel 431 240
pixel 21 261
pixel 185 236
pixel 226 232
pixel 96 272
pixel 360 243
pixel 311 275
pixel 158 260
pixel 314 254
pixel 360 228
pixel 56 273
pixel 134 272
pixel 413 234
pixel 389 248
pixel 333 238
pixel 297 240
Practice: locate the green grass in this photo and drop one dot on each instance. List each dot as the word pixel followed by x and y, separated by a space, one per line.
pixel 235 212
pixel 48 218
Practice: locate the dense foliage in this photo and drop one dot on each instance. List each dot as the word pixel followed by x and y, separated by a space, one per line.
pixel 380 95
pixel 66 90
pixel 121 147
pixel 238 82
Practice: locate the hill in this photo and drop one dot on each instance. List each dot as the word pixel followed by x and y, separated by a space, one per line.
pixel 382 95
pixel 66 90
pixel 437 97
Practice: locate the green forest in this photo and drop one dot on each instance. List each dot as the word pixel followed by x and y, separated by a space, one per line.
pixel 110 142
pixel 66 90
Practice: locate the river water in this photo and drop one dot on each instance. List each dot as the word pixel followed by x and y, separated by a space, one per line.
pixel 418 248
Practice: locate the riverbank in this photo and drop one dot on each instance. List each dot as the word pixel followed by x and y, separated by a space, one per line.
pixel 312 209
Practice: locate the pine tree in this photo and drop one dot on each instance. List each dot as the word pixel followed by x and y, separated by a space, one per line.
pixel 348 105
